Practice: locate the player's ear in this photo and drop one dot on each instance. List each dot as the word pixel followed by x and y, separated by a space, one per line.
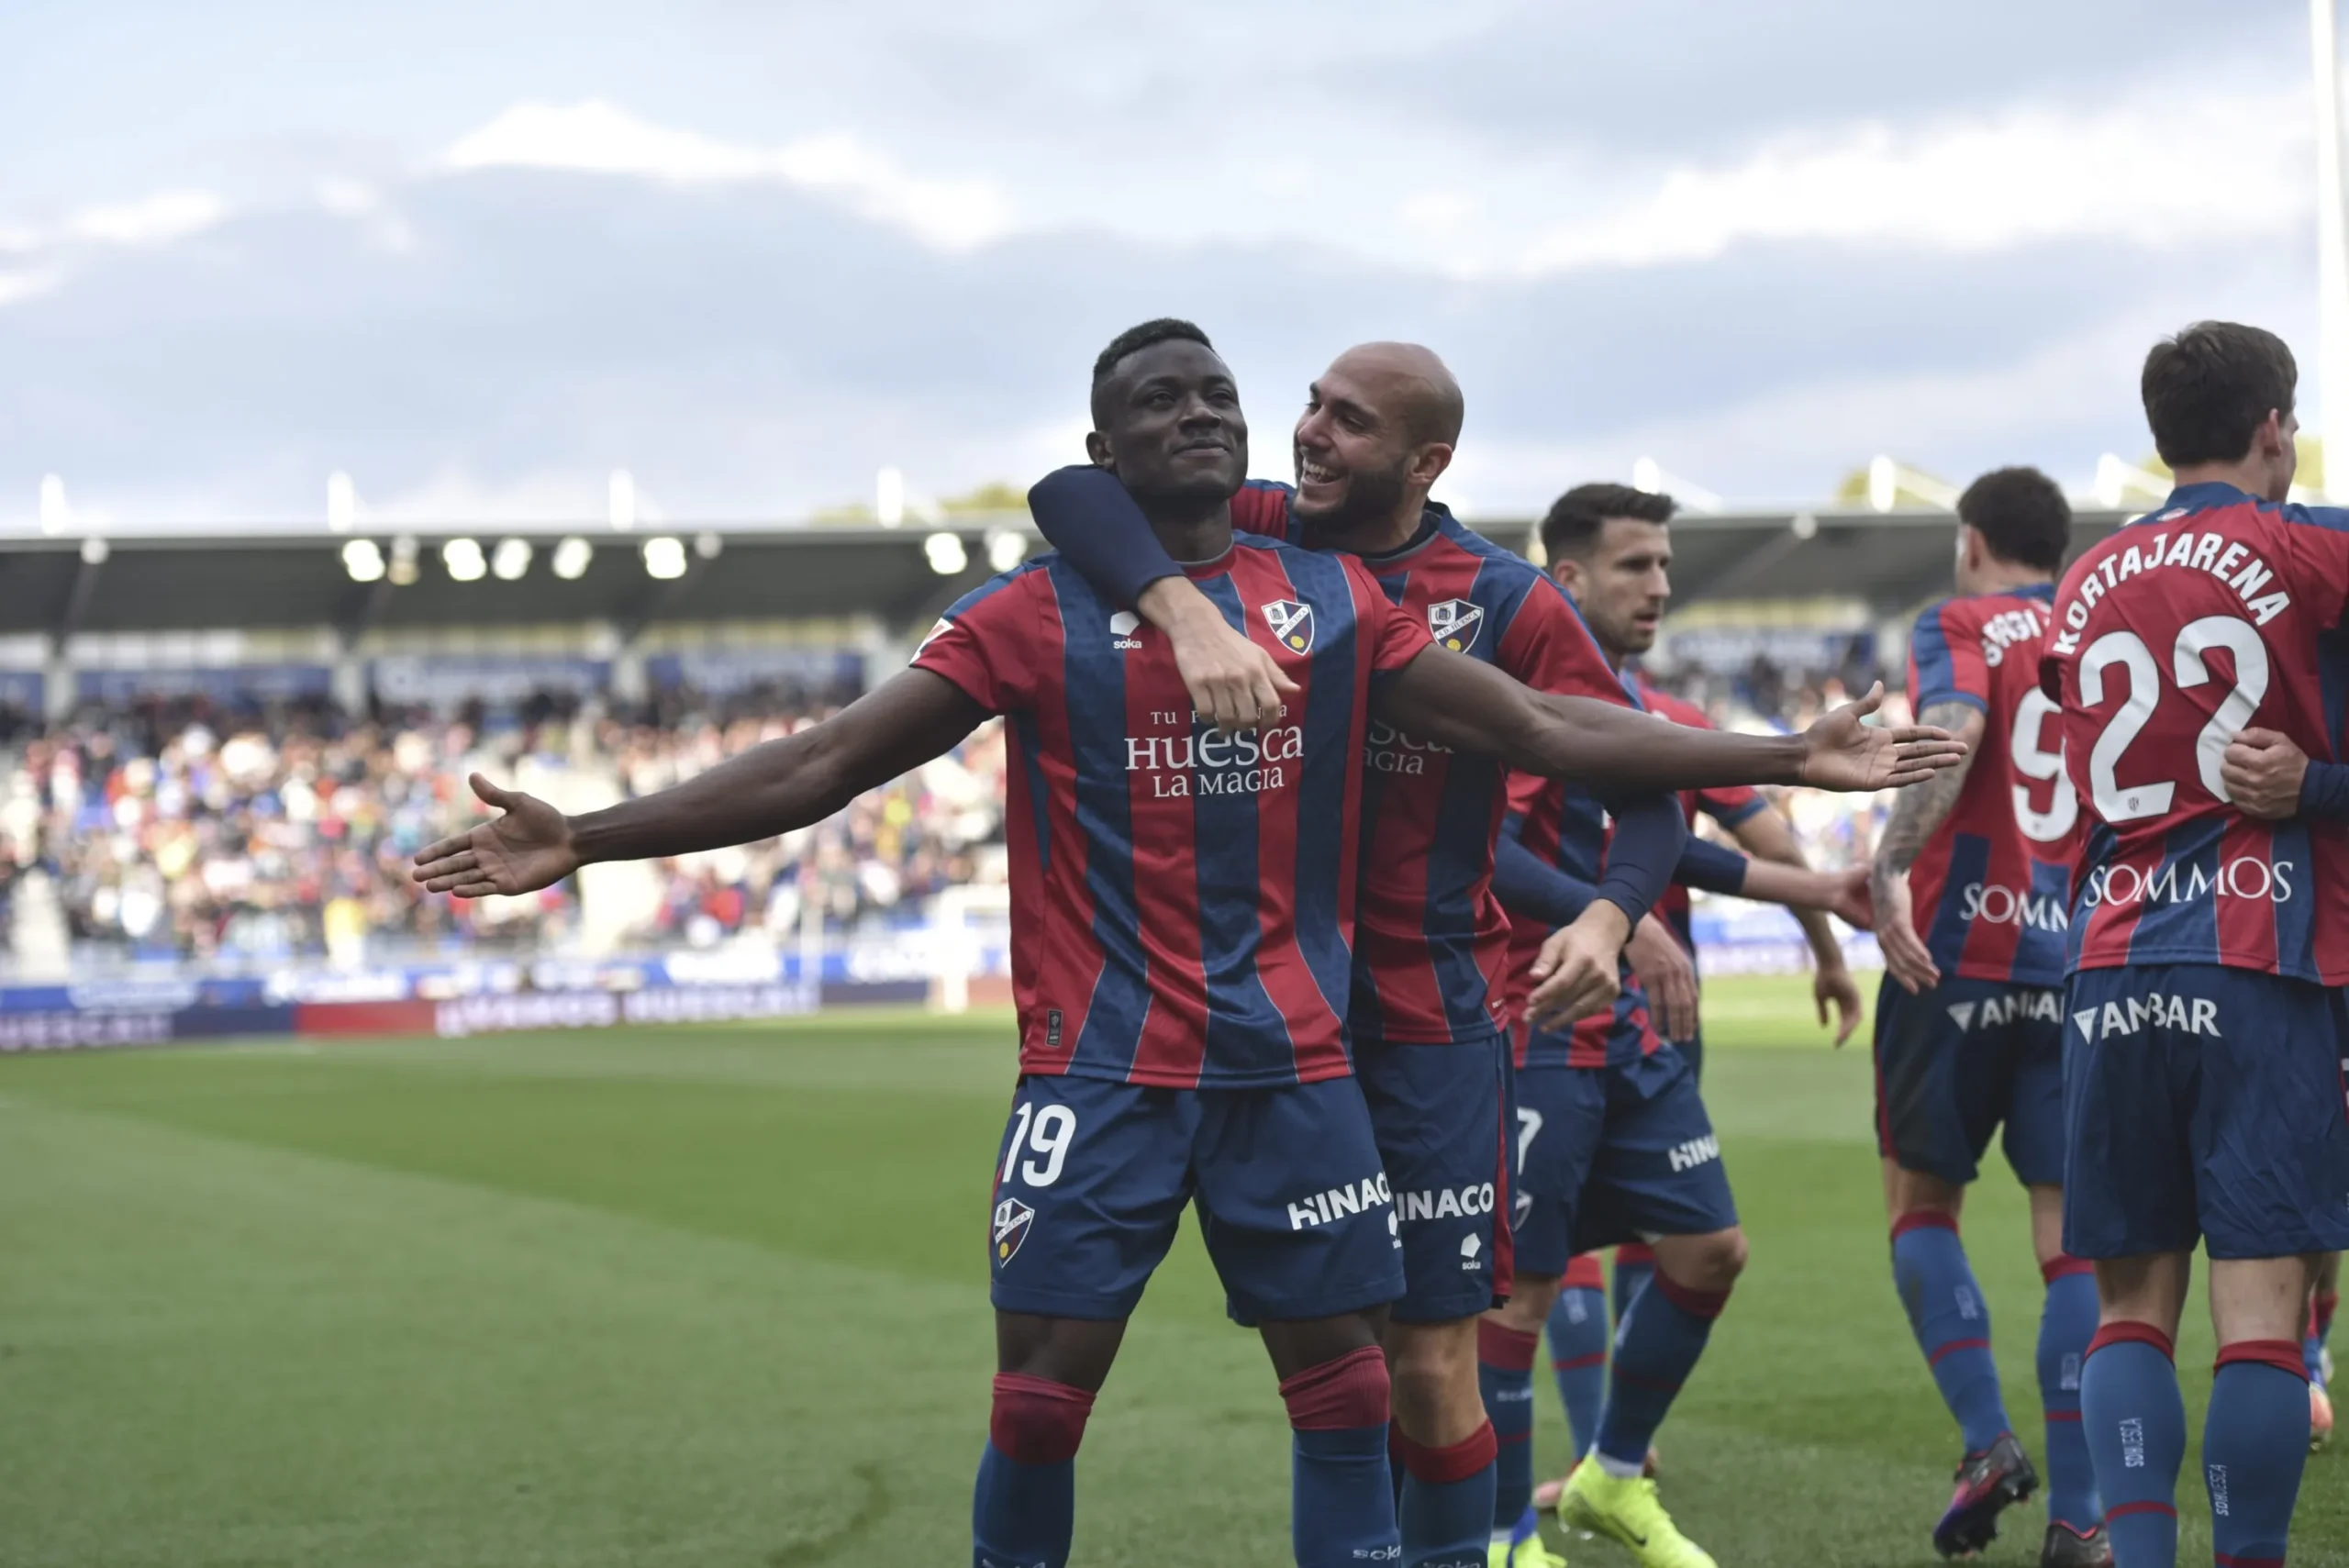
pixel 1096 446
pixel 1429 464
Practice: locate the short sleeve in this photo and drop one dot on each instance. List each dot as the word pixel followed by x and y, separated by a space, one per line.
pixel 1547 646
pixel 2320 541
pixel 987 643
pixel 1945 662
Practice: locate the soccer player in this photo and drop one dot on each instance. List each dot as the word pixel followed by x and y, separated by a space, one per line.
pixel 2202 1078
pixel 1182 910
pixel 1615 1146
pixel 1971 887
pixel 1378 428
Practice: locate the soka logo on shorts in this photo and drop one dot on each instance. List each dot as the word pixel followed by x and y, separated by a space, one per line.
pixel 1324 1208
pixel 1013 1220
pixel 1291 622
pixel 1471 1253
pixel 1445 1203
pixel 2187 1014
pixel 2006 1008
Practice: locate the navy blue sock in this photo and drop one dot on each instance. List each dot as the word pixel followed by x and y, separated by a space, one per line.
pixel 2136 1430
pixel 1447 1502
pixel 1342 1501
pixel 1578 1359
pixel 2067 1323
pixel 1654 1352
pixel 1505 1373
pixel 2255 1441
pixel 1023 1510
pixel 1634 1266
pixel 1950 1320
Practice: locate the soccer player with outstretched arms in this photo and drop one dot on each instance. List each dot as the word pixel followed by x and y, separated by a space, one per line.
pixel 2204 1021
pixel 1183 913
pixel 1972 883
pixel 1431 943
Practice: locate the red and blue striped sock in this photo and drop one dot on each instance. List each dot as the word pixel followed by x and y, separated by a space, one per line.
pixel 2067 1323
pixel 1634 1266
pixel 1578 1359
pixel 1342 1502
pixel 2135 1423
pixel 1505 1374
pixel 1950 1320
pixel 1447 1517
pixel 2255 1441
pixel 1654 1353
pixel 1024 1508
pixel 2321 1307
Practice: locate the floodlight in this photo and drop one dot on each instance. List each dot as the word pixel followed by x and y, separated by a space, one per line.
pixel 364 560
pixel 94 552
pixel 946 554
pixel 463 560
pixel 708 546
pixel 570 559
pixel 664 558
pixel 1006 548
pixel 510 559
pixel 402 569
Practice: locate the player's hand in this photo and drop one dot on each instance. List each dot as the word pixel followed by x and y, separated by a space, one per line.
pixel 1905 958
pixel 1667 975
pixel 1849 898
pixel 1844 754
pixel 527 848
pixel 1577 972
pixel 2261 771
pixel 1234 684
pixel 1832 985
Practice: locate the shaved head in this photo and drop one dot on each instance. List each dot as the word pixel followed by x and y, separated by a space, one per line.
pixel 1410 384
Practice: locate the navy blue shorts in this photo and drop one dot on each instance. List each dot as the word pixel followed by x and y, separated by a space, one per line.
pixel 1607 1155
pixel 1438 1112
pixel 1964 1059
pixel 1092 1177
pixel 2204 1103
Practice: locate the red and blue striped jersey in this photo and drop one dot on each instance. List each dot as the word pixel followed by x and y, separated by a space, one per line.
pixel 1431 941
pixel 2218 612
pixel 1566 825
pixel 1728 805
pixel 1182 903
pixel 1990 889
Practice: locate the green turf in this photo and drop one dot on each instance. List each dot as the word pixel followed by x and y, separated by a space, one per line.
pixel 718 1296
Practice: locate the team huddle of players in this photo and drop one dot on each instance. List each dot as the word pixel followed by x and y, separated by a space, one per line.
pixel 1342 861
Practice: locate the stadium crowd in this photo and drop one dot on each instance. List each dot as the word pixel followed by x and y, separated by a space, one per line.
pixel 177 829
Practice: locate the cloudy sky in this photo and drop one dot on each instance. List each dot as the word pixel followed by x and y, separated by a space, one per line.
pixel 480 252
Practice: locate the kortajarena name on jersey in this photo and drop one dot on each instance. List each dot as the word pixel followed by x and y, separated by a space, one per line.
pixel 2228 559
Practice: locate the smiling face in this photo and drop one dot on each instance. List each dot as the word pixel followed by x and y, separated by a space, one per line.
pixel 1377 425
pixel 1170 426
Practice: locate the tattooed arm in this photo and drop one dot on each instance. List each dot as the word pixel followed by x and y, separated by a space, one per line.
pixel 1917 811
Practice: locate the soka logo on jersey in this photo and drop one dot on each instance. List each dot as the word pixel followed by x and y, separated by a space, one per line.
pixel 2005 1010
pixel 1013 1220
pixel 2187 1014
pixel 1455 623
pixel 1122 627
pixel 1291 622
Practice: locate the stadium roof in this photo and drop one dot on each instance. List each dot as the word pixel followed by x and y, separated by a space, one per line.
pixel 60 585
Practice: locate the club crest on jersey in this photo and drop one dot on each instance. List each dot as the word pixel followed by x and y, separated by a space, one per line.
pixel 1013 1220
pixel 1292 623
pixel 1455 623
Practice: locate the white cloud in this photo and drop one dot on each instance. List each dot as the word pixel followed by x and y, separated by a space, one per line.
pixel 15 286
pixel 157 219
pixel 603 138
pixel 2160 170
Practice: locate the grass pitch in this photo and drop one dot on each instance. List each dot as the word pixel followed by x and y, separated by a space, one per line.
pixel 716 1296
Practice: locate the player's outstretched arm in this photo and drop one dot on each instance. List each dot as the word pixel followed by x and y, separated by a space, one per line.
pixel 1089 516
pixel 769 789
pixel 1470 707
pixel 1915 815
